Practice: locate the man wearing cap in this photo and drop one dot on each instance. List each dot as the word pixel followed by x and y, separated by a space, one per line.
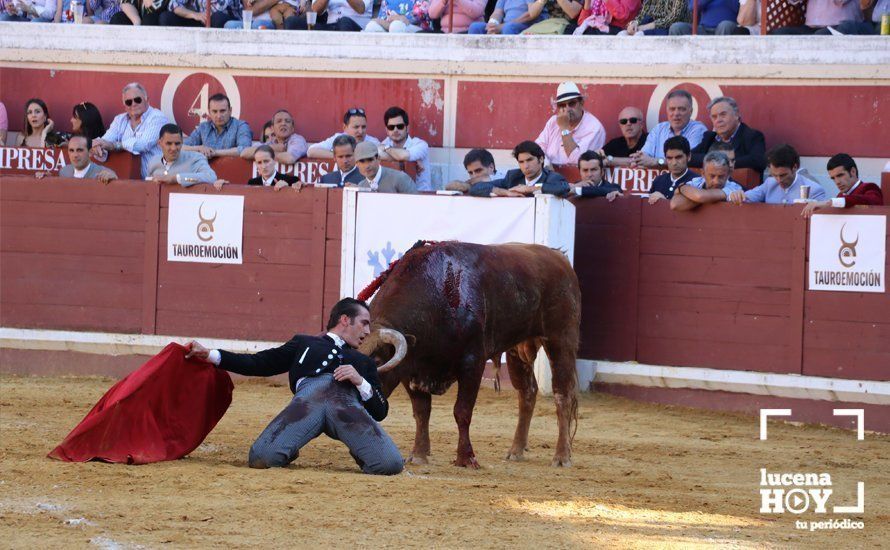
pixel 379 178
pixel 572 130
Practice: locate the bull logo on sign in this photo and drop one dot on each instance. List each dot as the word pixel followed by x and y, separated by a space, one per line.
pixel 205 226
pixel 847 253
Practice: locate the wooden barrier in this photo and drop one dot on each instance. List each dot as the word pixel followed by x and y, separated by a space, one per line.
pixel 639 180
pixel 721 287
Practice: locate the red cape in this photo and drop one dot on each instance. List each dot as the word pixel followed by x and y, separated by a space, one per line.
pixel 161 411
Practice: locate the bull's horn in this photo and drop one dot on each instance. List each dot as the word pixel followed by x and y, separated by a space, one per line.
pixel 395 338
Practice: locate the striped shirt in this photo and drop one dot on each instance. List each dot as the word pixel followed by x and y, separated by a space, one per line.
pixel 141 140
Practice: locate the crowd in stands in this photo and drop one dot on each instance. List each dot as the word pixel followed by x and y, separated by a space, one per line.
pixel 571 136
pixel 628 17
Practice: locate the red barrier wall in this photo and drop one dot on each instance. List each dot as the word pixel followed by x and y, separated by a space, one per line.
pixel 720 287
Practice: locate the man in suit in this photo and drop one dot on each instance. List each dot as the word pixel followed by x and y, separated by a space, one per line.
pixel 336 392
pixel 186 168
pixel 749 144
pixel 267 171
pixel 379 178
pixel 530 177
pixel 80 166
pixel 344 156
pixel 593 178
pixel 853 191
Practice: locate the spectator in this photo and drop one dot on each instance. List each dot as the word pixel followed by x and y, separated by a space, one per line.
pixel 606 16
pixel 37 11
pixel 714 17
pixel 79 165
pixel 748 19
pixel 480 166
pixel 102 11
pixel 531 177
pixel 727 149
pixel 679 123
pixel 400 146
pixel 222 135
pixel 508 17
pixel 401 16
pixel 174 165
pixel 267 170
pixel 562 14
pixel 715 186
pixel 282 10
pixel 572 130
pixel 4 124
pixel 268 131
pixel 140 12
pixel 355 124
pixel 676 155
pixel 135 130
pixel 191 13
pixel 342 15
pixel 656 17
pixel 620 151
pixel 783 187
pixel 289 146
pixel 466 13
pixel 37 129
pixel 853 191
pixel 86 120
pixel 344 156
pixel 822 14
pixel 727 126
pixel 379 178
pixel 593 178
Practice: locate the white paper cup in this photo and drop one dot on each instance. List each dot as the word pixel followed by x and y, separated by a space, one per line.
pixel 247 19
pixel 77 8
pixel 311 18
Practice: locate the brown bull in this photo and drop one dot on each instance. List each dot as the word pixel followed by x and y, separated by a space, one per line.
pixel 445 308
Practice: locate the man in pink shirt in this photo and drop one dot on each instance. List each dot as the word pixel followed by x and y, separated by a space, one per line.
pixel 572 130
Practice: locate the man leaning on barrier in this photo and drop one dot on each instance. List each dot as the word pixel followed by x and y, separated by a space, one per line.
pixel 185 168
pixel 714 186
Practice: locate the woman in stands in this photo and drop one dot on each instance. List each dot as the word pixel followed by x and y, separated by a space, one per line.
pixel 37 130
pixel 402 16
pixel 140 12
pixel 86 120
pixel 101 11
pixel 466 12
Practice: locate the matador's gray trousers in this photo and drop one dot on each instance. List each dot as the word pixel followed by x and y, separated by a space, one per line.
pixel 323 405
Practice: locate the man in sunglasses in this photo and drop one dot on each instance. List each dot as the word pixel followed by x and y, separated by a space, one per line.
pixel 619 150
pixel 400 146
pixel 355 124
pixel 135 130
pixel 572 130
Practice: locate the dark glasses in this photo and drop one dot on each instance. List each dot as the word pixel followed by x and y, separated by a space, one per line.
pixel 355 111
pixel 632 120
pixel 395 126
pixel 137 100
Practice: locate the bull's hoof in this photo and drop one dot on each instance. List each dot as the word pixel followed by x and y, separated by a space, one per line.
pixel 467 462
pixel 517 456
pixel 561 462
pixel 417 459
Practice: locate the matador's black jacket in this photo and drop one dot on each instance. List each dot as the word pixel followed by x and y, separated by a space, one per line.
pixel 304 356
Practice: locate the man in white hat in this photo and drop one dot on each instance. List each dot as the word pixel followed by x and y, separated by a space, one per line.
pixel 572 130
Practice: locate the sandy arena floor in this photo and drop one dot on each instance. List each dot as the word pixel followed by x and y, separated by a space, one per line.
pixel 644 476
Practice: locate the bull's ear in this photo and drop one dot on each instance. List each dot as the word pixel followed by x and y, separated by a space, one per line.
pixel 411 339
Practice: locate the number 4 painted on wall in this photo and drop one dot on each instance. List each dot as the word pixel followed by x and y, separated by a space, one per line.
pixel 199 107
